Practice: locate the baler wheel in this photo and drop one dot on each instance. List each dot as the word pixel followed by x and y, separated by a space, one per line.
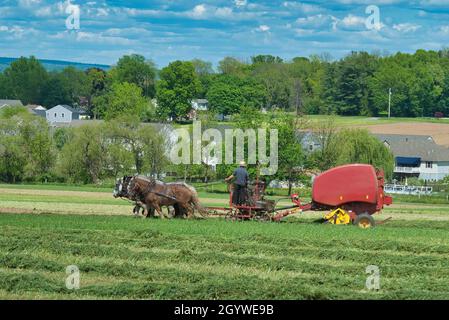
pixel 364 221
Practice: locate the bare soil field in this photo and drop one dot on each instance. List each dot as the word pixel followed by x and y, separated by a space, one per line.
pixel 439 132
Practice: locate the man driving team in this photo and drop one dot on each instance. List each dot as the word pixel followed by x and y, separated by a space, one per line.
pixel 240 184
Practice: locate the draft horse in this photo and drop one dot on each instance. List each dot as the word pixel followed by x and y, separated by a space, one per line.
pixel 156 194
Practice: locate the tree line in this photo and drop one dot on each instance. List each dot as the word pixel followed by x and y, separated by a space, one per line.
pixel 33 151
pixel 356 85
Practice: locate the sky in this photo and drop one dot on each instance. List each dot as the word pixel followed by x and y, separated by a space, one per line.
pixel 169 30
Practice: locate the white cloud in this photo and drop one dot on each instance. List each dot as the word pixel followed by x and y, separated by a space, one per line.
pixel 302 7
pixel 436 3
pixel 371 2
pixel 100 38
pixel 263 28
pixel 224 12
pixel 127 32
pixel 352 21
pixel 315 21
pixel 44 12
pixel 406 27
pixel 29 3
pixel 199 10
pixel 444 29
pixel 207 12
pixel 102 12
pixel 240 3
pixel 422 13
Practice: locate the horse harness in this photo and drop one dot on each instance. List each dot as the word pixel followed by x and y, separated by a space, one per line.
pixel 151 184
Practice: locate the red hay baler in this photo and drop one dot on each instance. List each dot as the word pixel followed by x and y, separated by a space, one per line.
pixel 352 193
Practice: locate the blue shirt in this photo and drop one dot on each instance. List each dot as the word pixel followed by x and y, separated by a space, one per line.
pixel 241 176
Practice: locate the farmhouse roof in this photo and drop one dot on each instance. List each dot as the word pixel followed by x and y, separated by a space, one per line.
pixel 71 109
pixel 201 101
pixel 11 103
pixel 79 123
pixel 423 147
pixel 35 107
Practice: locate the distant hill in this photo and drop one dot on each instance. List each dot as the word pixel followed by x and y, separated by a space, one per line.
pixel 55 65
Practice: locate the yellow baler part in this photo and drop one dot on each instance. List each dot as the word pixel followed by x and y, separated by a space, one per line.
pixel 338 216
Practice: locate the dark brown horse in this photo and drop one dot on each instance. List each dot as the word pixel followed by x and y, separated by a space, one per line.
pixel 121 191
pixel 156 194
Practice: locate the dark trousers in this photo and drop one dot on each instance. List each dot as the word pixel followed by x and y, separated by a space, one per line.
pixel 239 195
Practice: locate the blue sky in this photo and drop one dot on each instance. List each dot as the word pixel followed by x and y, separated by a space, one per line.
pixel 185 29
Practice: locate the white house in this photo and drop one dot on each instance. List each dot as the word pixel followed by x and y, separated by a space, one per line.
pixel 64 114
pixel 200 104
pixel 417 156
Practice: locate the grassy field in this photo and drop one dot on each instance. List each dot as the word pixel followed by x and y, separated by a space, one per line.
pixel 363 121
pixel 42 231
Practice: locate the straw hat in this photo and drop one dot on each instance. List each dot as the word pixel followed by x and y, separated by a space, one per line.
pixel 242 163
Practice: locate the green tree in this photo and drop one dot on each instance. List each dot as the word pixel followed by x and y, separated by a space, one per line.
pixel 9 112
pixel 25 80
pixel 38 148
pixel 326 156
pixel 77 84
pixel 399 79
pixel 177 88
pixel 120 160
pixel 12 158
pixel 97 85
pixel 264 59
pixel 359 146
pixel 26 148
pixel 205 74
pixel 290 155
pixel 123 98
pixel 352 94
pixel 84 157
pixel 202 67
pixel 232 66
pixel 137 70
pixel 60 137
pixel 276 81
pixel 56 92
pixel 228 94
pixel 307 85
pixel 144 144
pixel 3 86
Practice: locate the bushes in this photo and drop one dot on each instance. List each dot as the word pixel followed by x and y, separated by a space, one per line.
pixel 26 148
pixel 31 152
pixel 120 147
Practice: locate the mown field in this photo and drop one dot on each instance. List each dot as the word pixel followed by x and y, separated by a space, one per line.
pixel 42 231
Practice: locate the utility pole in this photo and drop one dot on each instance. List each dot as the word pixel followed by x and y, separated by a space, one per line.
pixel 389 104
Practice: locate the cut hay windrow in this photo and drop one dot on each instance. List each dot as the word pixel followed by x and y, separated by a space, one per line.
pixel 127 258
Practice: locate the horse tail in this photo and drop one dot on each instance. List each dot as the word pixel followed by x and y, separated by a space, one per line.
pixel 195 201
